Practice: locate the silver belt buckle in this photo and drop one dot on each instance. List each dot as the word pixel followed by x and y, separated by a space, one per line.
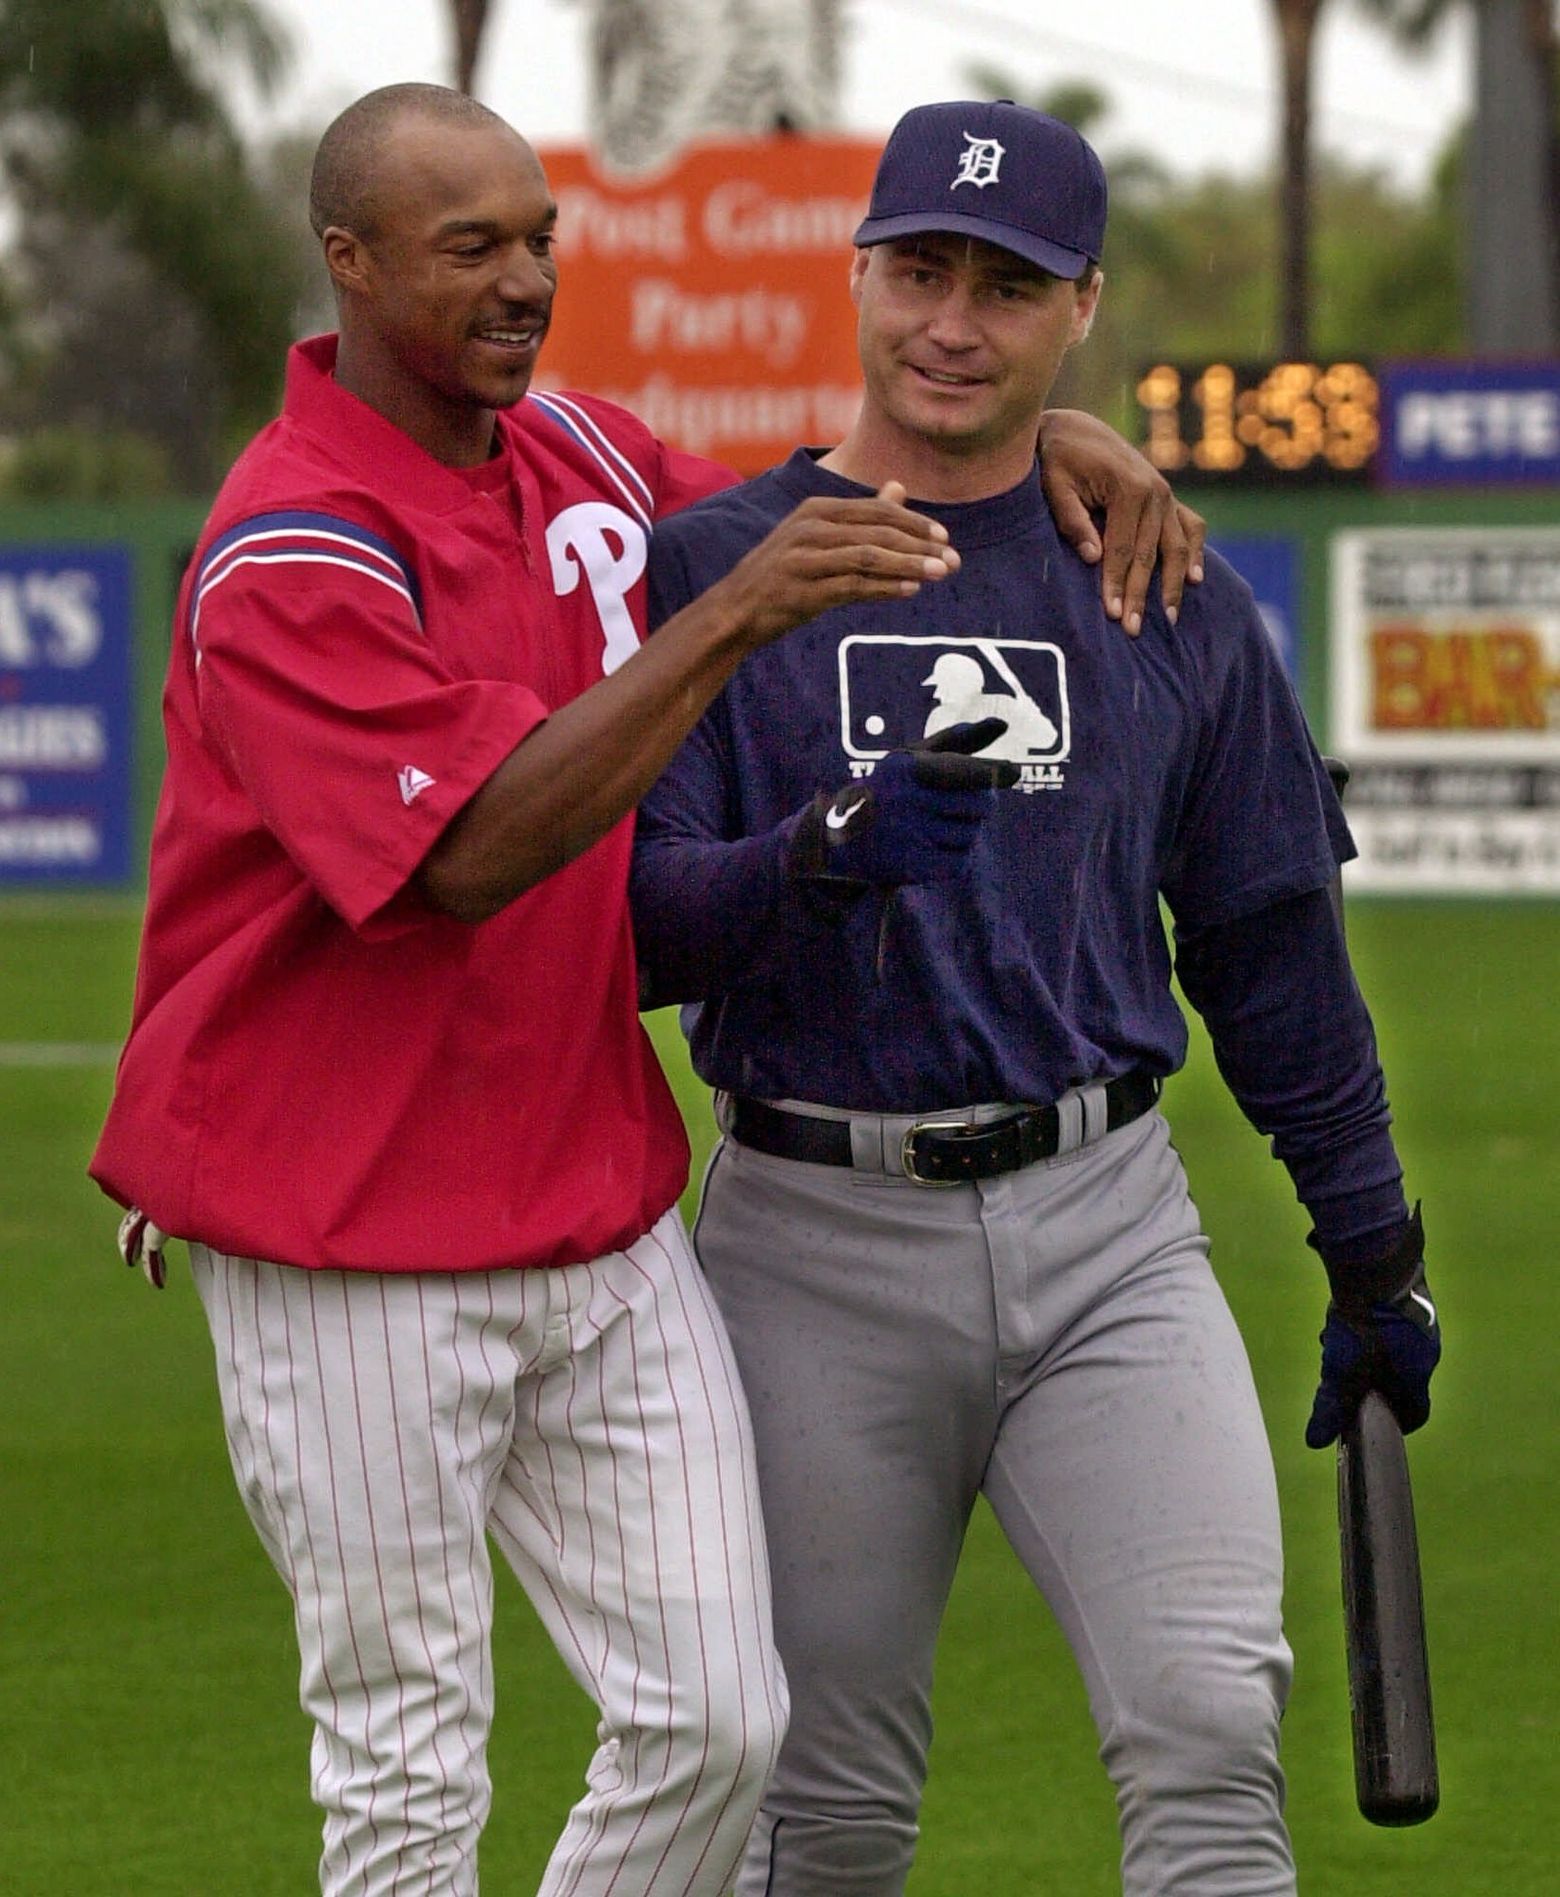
pixel 931 1126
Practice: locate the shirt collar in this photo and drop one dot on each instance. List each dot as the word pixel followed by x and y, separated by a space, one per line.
pixel 969 523
pixel 360 434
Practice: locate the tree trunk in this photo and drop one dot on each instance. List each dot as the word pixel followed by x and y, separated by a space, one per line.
pixel 1296 36
pixel 1544 44
pixel 469 18
pixel 1513 270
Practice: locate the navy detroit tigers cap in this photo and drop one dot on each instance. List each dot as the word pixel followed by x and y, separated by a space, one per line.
pixel 993 170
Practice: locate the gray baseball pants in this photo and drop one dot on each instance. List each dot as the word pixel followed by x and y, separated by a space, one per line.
pixel 1054 1340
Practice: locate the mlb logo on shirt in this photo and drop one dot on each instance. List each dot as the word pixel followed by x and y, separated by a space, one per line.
pixel 894 690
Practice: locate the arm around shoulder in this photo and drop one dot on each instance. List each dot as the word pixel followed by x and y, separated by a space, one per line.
pixel 580 772
pixel 1086 467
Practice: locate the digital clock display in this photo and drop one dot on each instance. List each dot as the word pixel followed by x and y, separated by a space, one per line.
pixel 1264 422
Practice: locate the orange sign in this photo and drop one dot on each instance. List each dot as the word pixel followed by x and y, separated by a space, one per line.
pixel 710 298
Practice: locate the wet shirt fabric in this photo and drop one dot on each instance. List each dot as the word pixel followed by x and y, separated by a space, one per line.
pixel 1175 767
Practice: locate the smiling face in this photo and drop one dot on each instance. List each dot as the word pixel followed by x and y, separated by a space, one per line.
pixel 446 295
pixel 960 342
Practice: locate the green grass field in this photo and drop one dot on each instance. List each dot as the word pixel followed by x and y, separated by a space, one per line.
pixel 150 1744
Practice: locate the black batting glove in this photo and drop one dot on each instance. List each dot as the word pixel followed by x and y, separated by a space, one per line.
pixel 1381 1333
pixel 914 820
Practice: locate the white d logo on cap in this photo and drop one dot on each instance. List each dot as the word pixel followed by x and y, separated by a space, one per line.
pixel 978 162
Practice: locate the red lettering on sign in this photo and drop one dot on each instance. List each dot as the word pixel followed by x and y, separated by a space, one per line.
pixel 1488 678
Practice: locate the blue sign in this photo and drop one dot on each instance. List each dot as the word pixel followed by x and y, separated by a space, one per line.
pixel 1270 566
pixel 1483 423
pixel 65 715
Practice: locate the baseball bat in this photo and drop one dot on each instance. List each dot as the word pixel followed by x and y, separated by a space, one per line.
pixel 1396 1779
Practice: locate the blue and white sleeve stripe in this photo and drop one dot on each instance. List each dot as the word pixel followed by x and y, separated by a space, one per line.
pixel 301 539
pixel 577 422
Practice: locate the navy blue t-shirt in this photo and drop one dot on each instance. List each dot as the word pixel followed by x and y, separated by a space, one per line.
pixel 1176 764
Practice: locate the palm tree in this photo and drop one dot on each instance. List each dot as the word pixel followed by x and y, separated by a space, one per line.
pixel 664 71
pixel 116 145
pixel 469 19
pixel 1296 22
pixel 1512 182
pixel 1522 28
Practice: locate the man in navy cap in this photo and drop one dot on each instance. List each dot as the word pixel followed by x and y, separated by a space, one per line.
pixel 907 872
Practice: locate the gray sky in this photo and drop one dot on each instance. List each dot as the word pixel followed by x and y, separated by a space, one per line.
pixel 1194 82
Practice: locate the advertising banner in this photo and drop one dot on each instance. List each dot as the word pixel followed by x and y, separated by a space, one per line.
pixel 1494 424
pixel 65 715
pixel 1445 664
pixel 711 298
pixel 1270 566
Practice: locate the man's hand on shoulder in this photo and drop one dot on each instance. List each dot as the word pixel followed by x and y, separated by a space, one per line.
pixel 1086 467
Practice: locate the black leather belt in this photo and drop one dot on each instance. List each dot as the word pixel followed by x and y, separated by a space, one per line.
pixel 935 1152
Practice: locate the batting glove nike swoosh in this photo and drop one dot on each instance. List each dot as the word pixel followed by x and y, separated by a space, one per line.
pixel 1391 1344
pixel 914 820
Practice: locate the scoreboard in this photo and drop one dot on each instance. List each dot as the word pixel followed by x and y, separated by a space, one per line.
pixel 1270 423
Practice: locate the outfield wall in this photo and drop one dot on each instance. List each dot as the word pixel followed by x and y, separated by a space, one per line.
pixel 1462 791
pixel 1429 659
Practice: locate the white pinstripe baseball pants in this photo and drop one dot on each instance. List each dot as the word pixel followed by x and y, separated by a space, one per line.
pixel 589 1417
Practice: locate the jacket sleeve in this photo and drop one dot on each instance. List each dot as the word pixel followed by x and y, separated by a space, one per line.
pixel 714 908
pixel 321 697
pixel 1294 1041
pixel 713 905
